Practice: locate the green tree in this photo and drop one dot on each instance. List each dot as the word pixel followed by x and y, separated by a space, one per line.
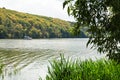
pixel 15 24
pixel 101 19
pixel 0 21
pixel 17 31
pixel 35 33
pixel 3 32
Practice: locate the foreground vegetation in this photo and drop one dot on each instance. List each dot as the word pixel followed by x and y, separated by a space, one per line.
pixel 15 24
pixel 1 70
pixel 101 19
pixel 1 67
pixel 83 70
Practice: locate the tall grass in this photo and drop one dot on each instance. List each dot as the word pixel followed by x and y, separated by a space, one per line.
pixel 1 68
pixel 83 70
pixel 1 71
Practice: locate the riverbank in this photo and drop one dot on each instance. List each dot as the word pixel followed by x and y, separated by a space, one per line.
pixel 83 70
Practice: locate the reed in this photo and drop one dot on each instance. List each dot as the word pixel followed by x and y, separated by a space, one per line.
pixel 1 71
pixel 67 69
pixel 1 68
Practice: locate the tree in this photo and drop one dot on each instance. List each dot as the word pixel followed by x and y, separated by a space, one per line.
pixel 0 21
pixel 101 19
pixel 3 32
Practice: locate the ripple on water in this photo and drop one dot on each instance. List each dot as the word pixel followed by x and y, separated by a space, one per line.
pixel 16 60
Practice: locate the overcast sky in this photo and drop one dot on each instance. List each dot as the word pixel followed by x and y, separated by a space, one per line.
pixel 51 8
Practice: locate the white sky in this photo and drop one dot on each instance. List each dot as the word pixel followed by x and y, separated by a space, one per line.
pixel 50 8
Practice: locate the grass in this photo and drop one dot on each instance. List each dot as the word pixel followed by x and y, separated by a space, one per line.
pixel 83 70
pixel 1 71
pixel 1 68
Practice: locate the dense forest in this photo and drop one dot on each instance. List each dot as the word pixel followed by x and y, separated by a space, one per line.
pixel 15 25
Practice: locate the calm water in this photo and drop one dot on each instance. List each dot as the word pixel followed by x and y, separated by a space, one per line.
pixel 28 59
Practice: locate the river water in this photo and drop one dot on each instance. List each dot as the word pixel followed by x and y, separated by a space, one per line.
pixel 28 59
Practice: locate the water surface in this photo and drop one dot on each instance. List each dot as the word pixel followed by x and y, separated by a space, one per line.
pixel 28 59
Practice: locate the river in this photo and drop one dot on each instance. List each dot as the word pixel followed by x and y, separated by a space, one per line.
pixel 28 59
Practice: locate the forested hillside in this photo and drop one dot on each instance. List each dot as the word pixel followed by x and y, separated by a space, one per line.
pixel 15 25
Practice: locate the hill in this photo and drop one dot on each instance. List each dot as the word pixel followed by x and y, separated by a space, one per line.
pixel 16 25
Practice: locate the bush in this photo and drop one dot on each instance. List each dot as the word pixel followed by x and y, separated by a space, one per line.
pixel 83 70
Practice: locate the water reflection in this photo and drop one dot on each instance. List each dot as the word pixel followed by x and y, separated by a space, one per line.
pixel 16 60
pixel 28 59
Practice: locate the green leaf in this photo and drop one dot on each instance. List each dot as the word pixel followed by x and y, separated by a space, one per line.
pixel 68 10
pixel 64 4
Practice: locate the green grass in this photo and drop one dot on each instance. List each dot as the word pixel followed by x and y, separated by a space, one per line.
pixel 83 70
pixel 1 71
pixel 1 68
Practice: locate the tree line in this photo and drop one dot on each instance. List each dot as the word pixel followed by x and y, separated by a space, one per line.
pixel 15 25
